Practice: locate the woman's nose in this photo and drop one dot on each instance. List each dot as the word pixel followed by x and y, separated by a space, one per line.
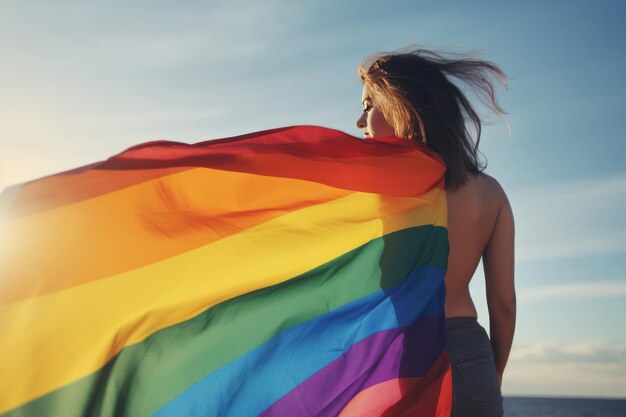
pixel 360 123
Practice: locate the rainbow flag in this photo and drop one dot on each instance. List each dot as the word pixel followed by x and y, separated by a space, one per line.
pixel 291 272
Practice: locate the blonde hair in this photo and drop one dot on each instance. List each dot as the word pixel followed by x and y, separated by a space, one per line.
pixel 416 97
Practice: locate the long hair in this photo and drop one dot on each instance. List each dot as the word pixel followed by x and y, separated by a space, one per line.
pixel 416 97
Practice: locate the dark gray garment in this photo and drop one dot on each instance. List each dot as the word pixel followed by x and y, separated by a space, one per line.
pixel 475 389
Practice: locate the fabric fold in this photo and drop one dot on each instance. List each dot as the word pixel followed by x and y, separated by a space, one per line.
pixel 292 271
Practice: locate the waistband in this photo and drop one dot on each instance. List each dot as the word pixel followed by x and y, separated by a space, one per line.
pixel 460 319
pixel 457 323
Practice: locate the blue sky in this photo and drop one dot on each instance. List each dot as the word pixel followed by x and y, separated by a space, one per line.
pixel 81 81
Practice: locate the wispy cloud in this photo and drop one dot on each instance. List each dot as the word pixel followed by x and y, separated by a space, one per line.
pixel 593 368
pixel 588 352
pixel 89 80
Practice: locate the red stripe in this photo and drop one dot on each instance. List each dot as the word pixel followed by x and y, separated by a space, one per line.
pixel 429 395
pixel 389 166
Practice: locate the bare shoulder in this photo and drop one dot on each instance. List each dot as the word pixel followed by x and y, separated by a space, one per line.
pixel 492 189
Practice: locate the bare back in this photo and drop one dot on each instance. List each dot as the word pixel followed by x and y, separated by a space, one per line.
pixel 473 212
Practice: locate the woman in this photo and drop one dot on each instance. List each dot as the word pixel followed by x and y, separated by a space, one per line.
pixel 409 95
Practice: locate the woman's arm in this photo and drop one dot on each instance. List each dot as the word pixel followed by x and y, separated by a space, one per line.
pixel 498 263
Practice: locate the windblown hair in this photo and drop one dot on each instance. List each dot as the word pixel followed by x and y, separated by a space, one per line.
pixel 416 97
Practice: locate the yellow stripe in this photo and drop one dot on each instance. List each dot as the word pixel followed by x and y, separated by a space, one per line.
pixel 72 333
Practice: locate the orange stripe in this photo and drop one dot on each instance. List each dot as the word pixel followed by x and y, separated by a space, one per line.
pixel 54 250
pixel 80 184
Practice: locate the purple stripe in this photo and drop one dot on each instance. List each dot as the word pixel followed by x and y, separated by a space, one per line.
pixel 375 359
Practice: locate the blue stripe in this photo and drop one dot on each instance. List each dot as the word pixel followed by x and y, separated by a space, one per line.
pixel 251 383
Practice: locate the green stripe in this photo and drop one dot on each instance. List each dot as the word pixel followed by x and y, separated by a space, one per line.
pixel 145 376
